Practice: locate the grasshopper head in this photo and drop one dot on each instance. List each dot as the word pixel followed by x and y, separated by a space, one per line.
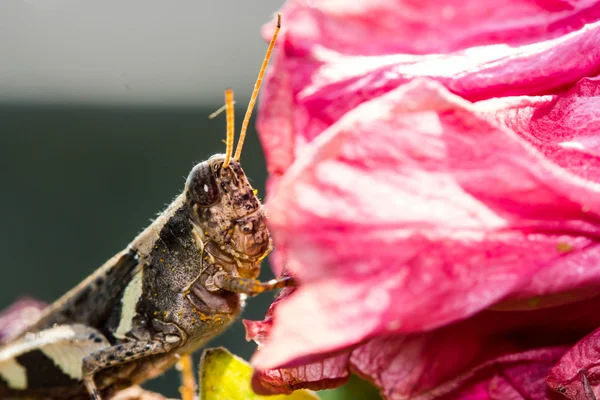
pixel 228 213
pixel 224 205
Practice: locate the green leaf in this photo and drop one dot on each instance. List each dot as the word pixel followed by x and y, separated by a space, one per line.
pixel 224 376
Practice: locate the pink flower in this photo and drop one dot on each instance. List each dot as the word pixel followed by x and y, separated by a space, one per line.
pixel 434 188
pixel 18 316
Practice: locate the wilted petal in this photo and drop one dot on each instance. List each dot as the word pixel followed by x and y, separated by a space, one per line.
pixel 412 365
pixel 326 374
pixel 258 331
pixel 565 128
pixel 480 358
pixel 459 361
pixel 322 374
pixel 314 86
pixel 577 374
pixel 404 209
pixel 519 376
pixel 413 212
pixel 494 355
pixel 372 27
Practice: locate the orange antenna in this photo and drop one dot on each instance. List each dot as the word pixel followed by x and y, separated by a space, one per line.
pixel 238 150
pixel 230 125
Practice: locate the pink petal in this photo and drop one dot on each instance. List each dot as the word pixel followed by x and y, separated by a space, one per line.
pixel 519 177
pixel 457 208
pixel 18 316
pixel 512 376
pixel 491 356
pixel 329 373
pixel 373 27
pixel 577 374
pixel 322 374
pixel 275 117
pixel 460 361
pixel 413 365
pixel 259 330
pixel 565 129
pixel 312 86
pixel 519 376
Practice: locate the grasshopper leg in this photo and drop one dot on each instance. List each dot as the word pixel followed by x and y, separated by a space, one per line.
pixel 188 382
pixel 251 287
pixel 92 389
pixel 120 354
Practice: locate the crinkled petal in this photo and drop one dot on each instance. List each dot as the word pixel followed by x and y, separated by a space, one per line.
pixel 494 355
pixel 565 128
pixel 577 374
pixel 519 376
pixel 311 86
pixel 404 209
pixel 329 373
pixel 459 361
pixel 407 366
pixel 479 73
pixel 322 374
pixel 258 331
pixel 413 212
pixel 373 27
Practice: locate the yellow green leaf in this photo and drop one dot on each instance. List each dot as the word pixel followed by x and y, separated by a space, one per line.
pixel 224 376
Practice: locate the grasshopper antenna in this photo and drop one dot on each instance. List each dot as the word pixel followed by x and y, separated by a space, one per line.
pixel 230 125
pixel 238 150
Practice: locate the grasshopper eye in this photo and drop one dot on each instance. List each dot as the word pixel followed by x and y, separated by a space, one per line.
pixel 202 186
pixel 248 227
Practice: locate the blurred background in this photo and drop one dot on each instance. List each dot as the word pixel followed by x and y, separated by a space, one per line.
pixel 103 112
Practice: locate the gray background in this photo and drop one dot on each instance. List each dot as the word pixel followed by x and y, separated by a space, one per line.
pixel 103 112
pixel 138 52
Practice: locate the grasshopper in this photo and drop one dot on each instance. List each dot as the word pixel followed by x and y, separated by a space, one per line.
pixel 179 283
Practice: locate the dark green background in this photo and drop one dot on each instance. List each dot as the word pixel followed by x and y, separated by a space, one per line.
pixel 79 183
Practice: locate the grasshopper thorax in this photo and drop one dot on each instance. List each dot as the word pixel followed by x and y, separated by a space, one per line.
pixel 228 215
